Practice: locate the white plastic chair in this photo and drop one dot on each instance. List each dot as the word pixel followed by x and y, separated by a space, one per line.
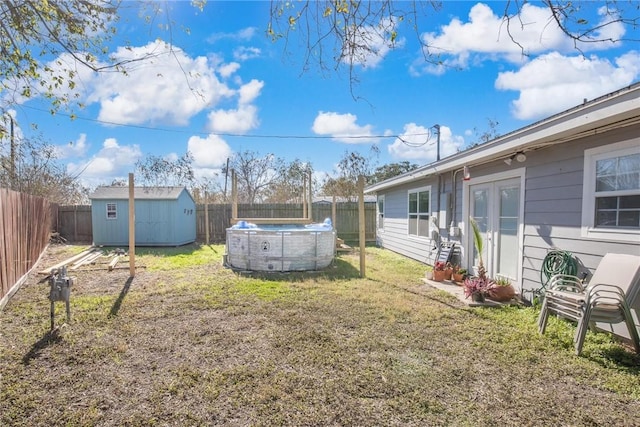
pixel 606 299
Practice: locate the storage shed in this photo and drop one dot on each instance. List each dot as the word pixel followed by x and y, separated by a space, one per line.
pixel 164 216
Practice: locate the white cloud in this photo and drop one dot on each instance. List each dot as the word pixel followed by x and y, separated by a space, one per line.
pixel 250 91
pixel 244 34
pixel 241 119
pixel 552 83
pixel 227 70
pixel 77 148
pixel 418 143
pixel 244 53
pixel 343 128
pixel 209 152
pixel 168 87
pixel 111 162
pixel 238 121
pixel 489 36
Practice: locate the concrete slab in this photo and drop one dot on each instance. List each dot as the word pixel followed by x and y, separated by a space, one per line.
pixel 458 292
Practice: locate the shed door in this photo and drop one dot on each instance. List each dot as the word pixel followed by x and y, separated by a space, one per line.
pixel 496 208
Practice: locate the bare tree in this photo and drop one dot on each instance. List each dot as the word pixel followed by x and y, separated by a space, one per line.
pixel 351 166
pixel 31 166
pixel 291 182
pixel 164 171
pixel 255 175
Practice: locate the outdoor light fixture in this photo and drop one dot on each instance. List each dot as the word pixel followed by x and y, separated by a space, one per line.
pixel 520 157
pixel 466 175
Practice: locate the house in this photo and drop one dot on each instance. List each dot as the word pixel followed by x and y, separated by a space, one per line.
pixel 570 181
pixel 164 216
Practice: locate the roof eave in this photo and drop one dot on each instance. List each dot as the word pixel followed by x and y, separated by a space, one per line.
pixel 611 109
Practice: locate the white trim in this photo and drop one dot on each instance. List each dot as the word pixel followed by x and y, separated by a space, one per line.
pixel 490 179
pixel 425 188
pixel 115 205
pixel 588 230
pixel 380 197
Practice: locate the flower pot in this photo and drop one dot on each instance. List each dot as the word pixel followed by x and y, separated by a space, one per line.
pixel 502 293
pixel 438 275
pixel 458 277
pixel 448 273
pixel 477 297
pixel 429 274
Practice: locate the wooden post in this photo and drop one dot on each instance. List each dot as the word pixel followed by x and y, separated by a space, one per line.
pixel 132 228
pixel 234 196
pixel 333 214
pixel 206 218
pixel 361 224
pixel 310 200
pixel 305 214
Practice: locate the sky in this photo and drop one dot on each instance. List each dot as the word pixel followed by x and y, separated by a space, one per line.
pixel 218 86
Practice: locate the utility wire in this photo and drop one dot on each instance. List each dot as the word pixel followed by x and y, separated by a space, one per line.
pixel 159 129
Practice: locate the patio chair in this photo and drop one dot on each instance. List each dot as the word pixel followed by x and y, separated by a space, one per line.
pixel 614 284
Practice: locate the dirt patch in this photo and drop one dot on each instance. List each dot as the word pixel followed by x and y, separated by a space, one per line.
pixel 202 345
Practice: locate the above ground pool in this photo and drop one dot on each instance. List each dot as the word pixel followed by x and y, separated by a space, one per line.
pixel 292 247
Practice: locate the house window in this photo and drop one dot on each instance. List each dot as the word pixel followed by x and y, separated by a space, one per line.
pixel 419 212
pixel 611 193
pixel 112 211
pixel 380 212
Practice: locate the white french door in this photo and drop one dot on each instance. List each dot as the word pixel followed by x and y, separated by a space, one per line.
pixel 496 207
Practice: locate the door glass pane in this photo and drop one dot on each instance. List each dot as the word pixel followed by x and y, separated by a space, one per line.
pixel 480 213
pixel 507 244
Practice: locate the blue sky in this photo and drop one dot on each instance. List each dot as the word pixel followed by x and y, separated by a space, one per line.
pixel 225 87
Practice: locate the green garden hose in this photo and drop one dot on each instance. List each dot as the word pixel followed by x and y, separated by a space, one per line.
pixel 557 262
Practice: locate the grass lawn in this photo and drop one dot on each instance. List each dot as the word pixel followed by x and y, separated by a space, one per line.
pixel 188 342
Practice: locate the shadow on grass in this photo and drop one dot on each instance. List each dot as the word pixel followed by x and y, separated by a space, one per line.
pixel 623 357
pixel 338 270
pixel 123 293
pixel 162 251
pixel 49 338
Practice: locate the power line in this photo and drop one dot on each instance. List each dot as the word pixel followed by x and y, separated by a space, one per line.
pixel 238 135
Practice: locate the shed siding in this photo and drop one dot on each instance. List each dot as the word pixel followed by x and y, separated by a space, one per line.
pixel 110 231
pixel 158 222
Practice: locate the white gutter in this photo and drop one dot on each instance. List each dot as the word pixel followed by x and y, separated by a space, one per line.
pixel 612 110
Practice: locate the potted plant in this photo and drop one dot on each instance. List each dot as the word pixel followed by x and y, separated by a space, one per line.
pixel 429 273
pixel 502 290
pixel 439 271
pixel 479 244
pixel 476 288
pixel 448 271
pixel 459 274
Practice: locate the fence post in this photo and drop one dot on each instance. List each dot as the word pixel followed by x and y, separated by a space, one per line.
pixel 361 224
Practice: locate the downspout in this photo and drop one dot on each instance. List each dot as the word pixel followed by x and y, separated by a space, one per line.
pixel 454 197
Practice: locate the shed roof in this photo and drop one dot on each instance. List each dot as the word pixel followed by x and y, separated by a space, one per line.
pixel 139 193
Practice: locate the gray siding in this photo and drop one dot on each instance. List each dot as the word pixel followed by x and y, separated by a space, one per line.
pixel 395 235
pixel 552 216
pixel 553 206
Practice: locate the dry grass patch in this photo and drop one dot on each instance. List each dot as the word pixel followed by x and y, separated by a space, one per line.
pixel 189 342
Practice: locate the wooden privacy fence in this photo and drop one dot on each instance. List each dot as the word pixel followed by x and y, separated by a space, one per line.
pixel 74 222
pixel 25 227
